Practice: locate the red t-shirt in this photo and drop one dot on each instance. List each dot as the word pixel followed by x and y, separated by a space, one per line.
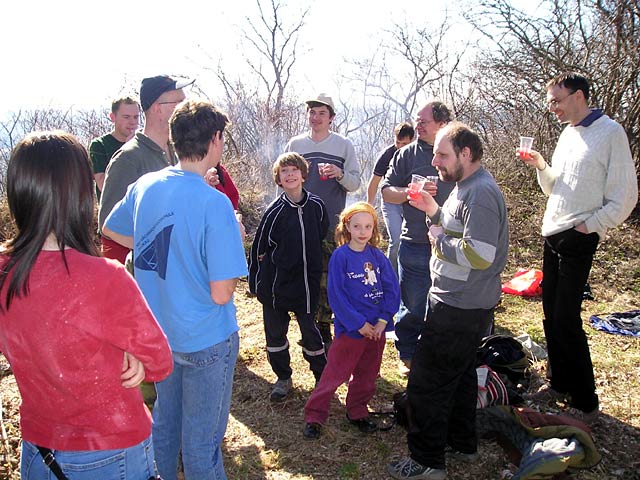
pixel 65 342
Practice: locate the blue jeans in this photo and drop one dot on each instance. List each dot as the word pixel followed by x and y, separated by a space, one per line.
pixel 415 282
pixel 133 463
pixel 192 411
pixel 392 214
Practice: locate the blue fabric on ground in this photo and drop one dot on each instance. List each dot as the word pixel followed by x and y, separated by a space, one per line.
pixel 625 323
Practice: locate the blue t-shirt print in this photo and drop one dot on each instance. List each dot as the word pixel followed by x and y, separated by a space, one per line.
pixel 154 257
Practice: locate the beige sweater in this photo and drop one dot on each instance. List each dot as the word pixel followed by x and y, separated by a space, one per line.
pixel 592 179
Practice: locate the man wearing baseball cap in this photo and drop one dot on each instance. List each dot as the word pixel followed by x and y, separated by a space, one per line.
pixel 148 151
pixel 333 171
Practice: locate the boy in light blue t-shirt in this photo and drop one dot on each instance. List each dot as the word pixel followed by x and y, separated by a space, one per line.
pixel 188 255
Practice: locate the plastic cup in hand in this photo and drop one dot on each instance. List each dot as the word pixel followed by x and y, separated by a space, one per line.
pixel 416 186
pixel 323 176
pixel 525 146
pixel 432 178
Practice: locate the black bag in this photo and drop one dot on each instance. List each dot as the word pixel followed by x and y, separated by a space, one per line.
pixel 504 354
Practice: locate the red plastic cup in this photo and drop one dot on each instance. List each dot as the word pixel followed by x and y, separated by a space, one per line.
pixel 321 167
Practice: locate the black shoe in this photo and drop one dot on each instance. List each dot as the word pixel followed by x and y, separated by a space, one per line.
pixel 365 425
pixel 312 431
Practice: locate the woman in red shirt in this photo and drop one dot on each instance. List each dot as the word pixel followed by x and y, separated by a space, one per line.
pixel 74 326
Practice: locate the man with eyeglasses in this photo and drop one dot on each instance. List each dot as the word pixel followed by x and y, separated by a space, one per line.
pixel 148 151
pixel 592 186
pixel 414 252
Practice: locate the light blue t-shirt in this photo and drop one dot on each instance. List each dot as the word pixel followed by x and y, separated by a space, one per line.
pixel 185 236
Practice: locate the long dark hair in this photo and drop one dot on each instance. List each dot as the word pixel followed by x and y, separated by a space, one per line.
pixel 49 190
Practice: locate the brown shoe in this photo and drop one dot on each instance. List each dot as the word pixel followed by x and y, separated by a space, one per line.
pixel 588 418
pixel 546 394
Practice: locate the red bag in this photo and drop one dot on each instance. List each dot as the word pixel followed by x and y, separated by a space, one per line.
pixel 525 282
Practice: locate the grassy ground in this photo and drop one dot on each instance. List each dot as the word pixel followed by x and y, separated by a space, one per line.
pixel 264 440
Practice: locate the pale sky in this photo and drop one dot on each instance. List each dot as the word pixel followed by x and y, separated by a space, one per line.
pixel 82 53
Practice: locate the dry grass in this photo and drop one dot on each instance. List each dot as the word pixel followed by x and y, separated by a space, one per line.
pixel 264 440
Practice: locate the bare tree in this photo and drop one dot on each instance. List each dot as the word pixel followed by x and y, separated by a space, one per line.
pixel 411 65
pixel 263 114
pixel 598 38
pixel 277 44
pixel 84 124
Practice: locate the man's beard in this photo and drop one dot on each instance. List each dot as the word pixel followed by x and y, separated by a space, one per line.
pixel 454 176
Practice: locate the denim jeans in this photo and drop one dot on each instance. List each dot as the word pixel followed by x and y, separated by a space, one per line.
pixel 192 411
pixel 392 214
pixel 443 386
pixel 565 269
pixel 415 281
pixel 133 463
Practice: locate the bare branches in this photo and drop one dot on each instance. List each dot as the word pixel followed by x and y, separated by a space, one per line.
pixel 278 45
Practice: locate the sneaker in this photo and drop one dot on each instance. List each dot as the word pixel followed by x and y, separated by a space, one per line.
pixel 281 390
pixel 365 425
pixel 546 394
pixel 408 468
pixel 588 418
pixel 312 431
pixel 457 455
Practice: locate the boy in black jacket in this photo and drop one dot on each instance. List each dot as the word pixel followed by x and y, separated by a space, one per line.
pixel 285 266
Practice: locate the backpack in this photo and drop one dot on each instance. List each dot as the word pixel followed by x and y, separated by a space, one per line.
pixel 504 354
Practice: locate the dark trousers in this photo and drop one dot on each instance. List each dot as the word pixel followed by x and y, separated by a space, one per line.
pixel 276 326
pixel 443 385
pixel 567 261
pixel 323 312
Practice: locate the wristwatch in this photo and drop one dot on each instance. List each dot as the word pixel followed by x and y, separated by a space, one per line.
pixel 340 177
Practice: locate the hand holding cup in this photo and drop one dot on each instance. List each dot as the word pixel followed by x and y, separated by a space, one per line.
pixel 526 143
pixel 431 185
pixel 211 177
pixel 416 186
pixel 322 171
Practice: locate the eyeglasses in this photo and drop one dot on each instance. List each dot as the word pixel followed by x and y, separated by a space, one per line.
pixel 421 121
pixel 554 102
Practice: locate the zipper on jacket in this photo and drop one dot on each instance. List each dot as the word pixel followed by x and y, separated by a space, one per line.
pixel 304 258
